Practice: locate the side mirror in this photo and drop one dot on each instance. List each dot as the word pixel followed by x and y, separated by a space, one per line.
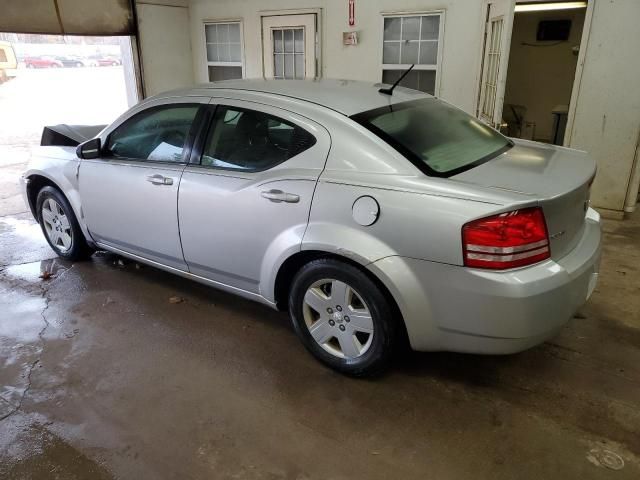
pixel 89 149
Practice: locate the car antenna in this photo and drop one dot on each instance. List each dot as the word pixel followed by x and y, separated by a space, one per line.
pixel 389 91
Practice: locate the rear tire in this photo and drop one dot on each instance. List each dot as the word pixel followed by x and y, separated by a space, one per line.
pixel 343 318
pixel 60 225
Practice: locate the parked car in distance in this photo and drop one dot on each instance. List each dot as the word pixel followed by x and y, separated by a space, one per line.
pixel 105 61
pixel 42 62
pixel 372 215
pixel 72 61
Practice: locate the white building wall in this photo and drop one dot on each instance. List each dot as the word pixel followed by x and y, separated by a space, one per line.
pixel 460 54
pixel 607 117
pixel 165 44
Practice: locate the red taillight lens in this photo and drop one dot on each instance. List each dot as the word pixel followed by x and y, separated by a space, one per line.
pixel 507 240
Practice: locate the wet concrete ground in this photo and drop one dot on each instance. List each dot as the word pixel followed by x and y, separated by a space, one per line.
pixel 102 377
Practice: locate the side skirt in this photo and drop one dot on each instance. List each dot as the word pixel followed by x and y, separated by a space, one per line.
pixel 190 276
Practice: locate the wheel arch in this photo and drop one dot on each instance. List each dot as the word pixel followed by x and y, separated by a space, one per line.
pixel 289 268
pixel 36 183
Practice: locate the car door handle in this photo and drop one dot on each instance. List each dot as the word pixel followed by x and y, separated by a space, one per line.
pixel 160 180
pixel 280 196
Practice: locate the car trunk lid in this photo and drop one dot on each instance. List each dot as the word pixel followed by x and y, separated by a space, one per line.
pixel 557 178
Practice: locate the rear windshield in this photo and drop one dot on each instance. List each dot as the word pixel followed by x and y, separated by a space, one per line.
pixel 439 139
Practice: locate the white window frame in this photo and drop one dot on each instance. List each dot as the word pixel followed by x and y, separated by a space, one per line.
pixel 401 66
pixel 223 64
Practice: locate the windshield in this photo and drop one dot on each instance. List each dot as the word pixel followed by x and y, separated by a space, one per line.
pixel 439 139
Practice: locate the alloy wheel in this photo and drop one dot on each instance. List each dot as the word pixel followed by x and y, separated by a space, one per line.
pixel 57 225
pixel 338 319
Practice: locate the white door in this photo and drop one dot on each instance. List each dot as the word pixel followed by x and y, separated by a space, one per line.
pixel 289 46
pixel 495 60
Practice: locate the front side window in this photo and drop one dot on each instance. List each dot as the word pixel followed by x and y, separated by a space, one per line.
pixel 411 40
pixel 224 50
pixel 241 139
pixel 439 139
pixel 157 134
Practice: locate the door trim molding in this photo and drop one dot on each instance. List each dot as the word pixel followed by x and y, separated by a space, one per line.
pixel 508 20
pixel 484 19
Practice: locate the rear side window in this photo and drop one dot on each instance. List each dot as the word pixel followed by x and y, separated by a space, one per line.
pixel 157 134
pixel 242 139
pixel 439 139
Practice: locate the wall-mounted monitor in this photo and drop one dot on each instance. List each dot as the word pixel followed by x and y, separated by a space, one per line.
pixel 553 30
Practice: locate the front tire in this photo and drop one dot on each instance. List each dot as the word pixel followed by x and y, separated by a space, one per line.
pixel 343 318
pixel 60 225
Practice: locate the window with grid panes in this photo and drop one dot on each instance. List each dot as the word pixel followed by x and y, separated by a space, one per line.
pixel 288 52
pixel 412 39
pixel 224 50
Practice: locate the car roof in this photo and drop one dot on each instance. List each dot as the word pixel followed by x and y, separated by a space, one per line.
pixel 344 96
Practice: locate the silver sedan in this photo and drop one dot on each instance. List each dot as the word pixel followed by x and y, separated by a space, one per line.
pixel 374 216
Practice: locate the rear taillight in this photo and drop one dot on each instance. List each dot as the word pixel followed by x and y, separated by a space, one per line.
pixel 507 240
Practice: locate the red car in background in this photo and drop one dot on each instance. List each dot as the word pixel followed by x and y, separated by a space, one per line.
pixel 105 61
pixel 42 62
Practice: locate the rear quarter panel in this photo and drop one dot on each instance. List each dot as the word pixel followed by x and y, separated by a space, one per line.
pixel 420 217
pixel 409 224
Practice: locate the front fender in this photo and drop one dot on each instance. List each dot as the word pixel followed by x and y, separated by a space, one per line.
pixel 60 166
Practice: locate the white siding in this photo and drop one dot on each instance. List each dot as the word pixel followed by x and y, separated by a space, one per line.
pixel 460 57
pixel 607 119
pixel 165 44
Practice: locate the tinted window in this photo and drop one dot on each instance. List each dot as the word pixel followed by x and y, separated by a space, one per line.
pixel 158 134
pixel 248 140
pixel 438 138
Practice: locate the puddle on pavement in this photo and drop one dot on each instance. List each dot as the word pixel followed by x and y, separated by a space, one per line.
pixel 21 323
pixel 20 320
pixel 35 271
pixel 24 227
pixel 38 453
pixel 22 240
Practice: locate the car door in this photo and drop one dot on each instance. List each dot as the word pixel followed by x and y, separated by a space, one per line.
pixel 246 198
pixel 130 193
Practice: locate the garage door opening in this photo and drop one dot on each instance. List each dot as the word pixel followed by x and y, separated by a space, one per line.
pixel 76 80
pixel 542 66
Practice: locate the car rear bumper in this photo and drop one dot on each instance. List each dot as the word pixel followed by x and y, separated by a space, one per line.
pixel 454 308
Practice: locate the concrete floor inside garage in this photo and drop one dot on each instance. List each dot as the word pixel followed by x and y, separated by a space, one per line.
pixel 102 377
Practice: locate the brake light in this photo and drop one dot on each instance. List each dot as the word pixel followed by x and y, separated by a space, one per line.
pixel 507 240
